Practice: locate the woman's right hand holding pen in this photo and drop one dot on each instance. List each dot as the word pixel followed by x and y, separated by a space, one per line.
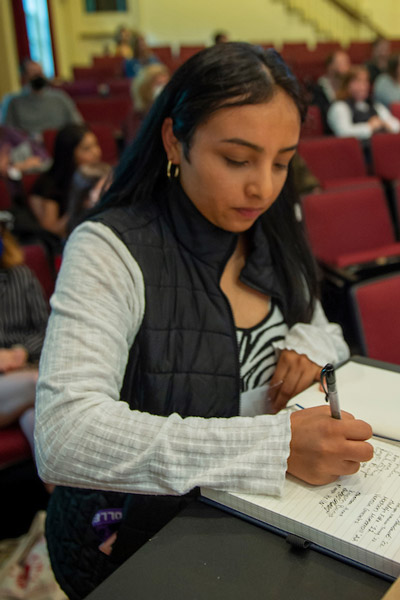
pixel 323 448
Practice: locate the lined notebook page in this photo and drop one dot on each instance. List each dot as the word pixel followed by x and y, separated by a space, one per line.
pixel 369 393
pixel 358 516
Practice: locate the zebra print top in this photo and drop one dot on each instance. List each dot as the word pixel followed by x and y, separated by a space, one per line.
pixel 256 353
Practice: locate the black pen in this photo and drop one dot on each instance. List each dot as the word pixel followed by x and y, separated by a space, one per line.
pixel 331 395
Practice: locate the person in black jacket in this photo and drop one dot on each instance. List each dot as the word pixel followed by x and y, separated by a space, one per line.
pixel 190 285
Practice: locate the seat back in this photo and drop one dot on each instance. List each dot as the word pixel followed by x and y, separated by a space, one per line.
pixel 324 49
pixel 331 158
pixel 5 198
pixel 347 221
pixel 80 88
pixel 112 110
pixel 395 109
pixel 313 125
pixel 186 52
pixel 359 52
pixel 376 306
pixel 14 447
pixel 36 259
pixel 386 155
pixel 107 142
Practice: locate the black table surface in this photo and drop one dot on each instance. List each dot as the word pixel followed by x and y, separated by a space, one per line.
pixel 208 554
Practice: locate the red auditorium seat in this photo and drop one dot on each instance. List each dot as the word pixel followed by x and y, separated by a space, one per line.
pixel 80 88
pixel 352 227
pixel 14 446
pixel 324 49
pixel 28 179
pixel 110 111
pixel 395 109
pixel 107 142
pixel 49 136
pixel 376 306
pixel 36 259
pixel 359 52
pixel 5 198
pixel 164 54
pixel 336 162
pixel 119 86
pixel 294 51
pixel 98 74
pixel 114 63
pixel 185 52
pixel 313 125
pixel 386 155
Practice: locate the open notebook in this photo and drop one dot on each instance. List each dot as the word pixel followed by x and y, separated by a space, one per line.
pixel 369 393
pixel 357 517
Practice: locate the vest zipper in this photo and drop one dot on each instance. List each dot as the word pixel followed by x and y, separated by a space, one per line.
pixel 233 327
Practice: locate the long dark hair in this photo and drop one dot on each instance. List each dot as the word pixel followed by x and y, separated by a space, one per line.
pixel 65 144
pixel 230 74
pixel 55 182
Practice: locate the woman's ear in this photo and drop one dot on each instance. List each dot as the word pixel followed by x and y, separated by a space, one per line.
pixel 172 146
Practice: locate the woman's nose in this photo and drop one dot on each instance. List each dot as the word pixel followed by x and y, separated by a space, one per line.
pixel 261 185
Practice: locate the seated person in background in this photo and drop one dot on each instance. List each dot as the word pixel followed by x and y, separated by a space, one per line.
pixel 142 56
pixel 379 58
pixel 40 107
pixel 145 88
pixel 354 115
pixel 324 92
pixel 74 146
pixel 387 85
pixel 220 37
pixel 19 154
pixel 27 69
pixel 123 39
pixel 88 183
pixel 23 320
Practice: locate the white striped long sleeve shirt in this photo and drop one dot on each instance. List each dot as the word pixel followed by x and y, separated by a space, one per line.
pixel 87 438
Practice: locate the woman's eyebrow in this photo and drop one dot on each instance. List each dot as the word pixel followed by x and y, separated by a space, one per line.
pixel 288 149
pixel 255 147
pixel 242 142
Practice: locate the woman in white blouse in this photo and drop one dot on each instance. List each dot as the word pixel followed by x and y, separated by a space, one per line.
pixel 354 114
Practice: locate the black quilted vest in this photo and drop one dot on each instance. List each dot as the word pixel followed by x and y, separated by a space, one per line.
pixel 361 116
pixel 184 359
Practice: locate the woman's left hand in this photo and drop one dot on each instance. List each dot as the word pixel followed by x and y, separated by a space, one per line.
pixel 296 372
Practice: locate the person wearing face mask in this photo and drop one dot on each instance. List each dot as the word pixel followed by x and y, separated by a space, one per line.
pixel 23 320
pixel 39 107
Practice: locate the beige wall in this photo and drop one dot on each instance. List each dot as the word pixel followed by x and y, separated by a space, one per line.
pixel 249 20
pixel 80 35
pixel 9 78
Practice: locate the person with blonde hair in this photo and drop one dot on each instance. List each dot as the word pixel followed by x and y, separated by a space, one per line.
pixel 23 320
pixel 145 88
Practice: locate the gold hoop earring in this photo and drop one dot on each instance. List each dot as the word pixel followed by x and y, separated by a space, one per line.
pixel 169 168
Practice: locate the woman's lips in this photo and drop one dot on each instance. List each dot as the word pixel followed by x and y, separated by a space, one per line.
pixel 249 213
